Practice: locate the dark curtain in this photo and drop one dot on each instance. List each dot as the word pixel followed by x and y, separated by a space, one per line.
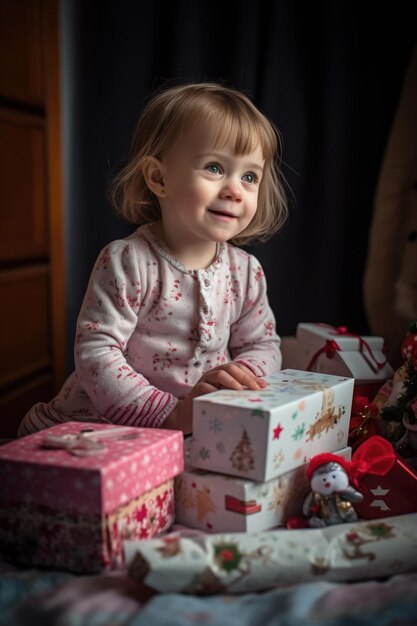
pixel 328 74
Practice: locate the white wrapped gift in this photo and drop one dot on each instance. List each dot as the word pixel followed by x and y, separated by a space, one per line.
pixel 262 434
pixel 333 350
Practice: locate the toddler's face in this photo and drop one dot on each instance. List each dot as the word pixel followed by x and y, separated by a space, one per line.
pixel 211 194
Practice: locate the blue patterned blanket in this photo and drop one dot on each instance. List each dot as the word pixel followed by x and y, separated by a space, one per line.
pixel 46 598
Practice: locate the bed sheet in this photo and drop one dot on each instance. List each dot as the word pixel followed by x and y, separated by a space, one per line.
pixel 53 598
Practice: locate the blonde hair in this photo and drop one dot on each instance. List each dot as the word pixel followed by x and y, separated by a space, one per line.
pixel 231 117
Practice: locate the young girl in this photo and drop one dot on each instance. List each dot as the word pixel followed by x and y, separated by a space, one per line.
pixel 174 311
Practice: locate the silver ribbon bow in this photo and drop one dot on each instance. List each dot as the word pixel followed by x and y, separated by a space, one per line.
pixel 87 442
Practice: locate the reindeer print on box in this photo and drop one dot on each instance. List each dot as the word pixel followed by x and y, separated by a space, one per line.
pixel 261 435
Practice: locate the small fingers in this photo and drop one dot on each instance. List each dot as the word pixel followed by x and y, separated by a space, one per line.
pixel 201 388
pixel 220 378
pixel 248 371
pixel 232 376
pixel 246 378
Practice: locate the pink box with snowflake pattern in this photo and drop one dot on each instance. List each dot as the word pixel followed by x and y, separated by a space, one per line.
pixel 59 509
pixel 263 434
pixel 217 503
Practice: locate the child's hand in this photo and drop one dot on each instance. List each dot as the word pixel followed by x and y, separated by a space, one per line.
pixel 227 376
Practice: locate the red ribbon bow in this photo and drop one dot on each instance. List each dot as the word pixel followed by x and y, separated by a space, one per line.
pixel 374 456
pixel 329 349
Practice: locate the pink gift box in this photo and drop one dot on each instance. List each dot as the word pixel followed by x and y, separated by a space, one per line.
pixel 58 509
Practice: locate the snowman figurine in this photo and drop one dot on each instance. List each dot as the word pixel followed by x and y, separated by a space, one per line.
pixel 331 496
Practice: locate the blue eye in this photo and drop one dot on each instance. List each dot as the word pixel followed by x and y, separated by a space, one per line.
pixel 250 177
pixel 213 168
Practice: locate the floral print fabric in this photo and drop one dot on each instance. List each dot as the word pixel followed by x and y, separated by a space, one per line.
pixel 149 327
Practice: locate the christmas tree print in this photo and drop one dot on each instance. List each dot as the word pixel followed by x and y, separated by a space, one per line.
pixel 203 502
pixel 242 456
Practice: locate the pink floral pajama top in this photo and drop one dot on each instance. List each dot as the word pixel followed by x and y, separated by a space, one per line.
pixel 149 328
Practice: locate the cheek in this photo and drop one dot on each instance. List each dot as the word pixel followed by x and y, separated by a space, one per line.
pixel 198 190
pixel 254 197
pixel 186 194
pixel 252 205
pixel 317 484
pixel 341 482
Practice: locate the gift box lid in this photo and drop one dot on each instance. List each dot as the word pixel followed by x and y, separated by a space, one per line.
pixel 360 356
pixel 129 463
pixel 284 389
pixel 314 333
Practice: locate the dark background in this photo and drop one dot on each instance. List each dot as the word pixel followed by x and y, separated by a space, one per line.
pixel 329 74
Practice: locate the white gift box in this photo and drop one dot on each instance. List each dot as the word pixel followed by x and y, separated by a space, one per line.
pixel 218 503
pixel 262 434
pixel 330 350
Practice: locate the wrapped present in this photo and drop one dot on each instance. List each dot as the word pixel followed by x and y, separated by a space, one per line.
pixel 262 434
pixel 241 562
pixel 334 350
pixel 394 493
pixel 218 503
pixel 71 494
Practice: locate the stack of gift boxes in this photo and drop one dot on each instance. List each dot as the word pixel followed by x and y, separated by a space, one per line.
pixel 71 495
pixel 333 350
pixel 245 466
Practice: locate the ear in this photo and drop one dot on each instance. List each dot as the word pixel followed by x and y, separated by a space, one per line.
pixel 154 174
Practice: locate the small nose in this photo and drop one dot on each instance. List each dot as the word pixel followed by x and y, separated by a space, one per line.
pixel 231 191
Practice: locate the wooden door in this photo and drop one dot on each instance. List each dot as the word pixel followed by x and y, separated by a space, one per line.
pixel 32 292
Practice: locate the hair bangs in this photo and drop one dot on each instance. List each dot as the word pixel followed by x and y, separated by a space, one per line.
pixel 230 123
pixel 228 129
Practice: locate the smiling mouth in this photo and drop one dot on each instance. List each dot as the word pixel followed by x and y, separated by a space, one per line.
pixel 221 213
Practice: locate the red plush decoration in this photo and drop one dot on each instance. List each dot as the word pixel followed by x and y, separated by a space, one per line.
pixel 330 498
pixel 375 456
pixel 337 483
pixel 380 484
pixel 322 459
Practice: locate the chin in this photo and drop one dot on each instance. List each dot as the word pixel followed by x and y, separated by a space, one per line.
pixel 226 235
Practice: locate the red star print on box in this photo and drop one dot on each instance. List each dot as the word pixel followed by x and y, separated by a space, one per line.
pixel 277 431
